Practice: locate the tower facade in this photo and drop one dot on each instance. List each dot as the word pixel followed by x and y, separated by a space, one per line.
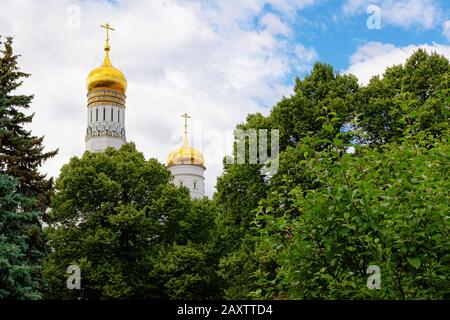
pixel 187 166
pixel 106 88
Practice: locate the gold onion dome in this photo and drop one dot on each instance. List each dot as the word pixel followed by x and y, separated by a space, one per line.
pixel 106 76
pixel 185 154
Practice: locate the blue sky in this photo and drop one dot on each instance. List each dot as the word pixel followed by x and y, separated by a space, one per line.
pixel 217 60
pixel 336 34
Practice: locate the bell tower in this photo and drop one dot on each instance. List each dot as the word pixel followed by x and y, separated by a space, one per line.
pixel 106 86
pixel 187 166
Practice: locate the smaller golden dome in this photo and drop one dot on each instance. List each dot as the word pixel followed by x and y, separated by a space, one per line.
pixel 107 77
pixel 185 154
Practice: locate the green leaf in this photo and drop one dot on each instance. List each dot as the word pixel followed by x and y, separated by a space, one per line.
pixel 415 262
pixel 413 114
pixel 337 142
pixel 328 127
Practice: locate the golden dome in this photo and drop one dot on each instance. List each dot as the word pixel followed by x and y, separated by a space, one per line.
pixel 106 76
pixel 185 154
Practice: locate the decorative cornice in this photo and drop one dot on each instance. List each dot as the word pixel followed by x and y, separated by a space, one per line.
pixel 105 129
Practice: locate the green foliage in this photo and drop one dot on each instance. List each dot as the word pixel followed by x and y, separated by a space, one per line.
pixel 18 278
pixel 417 92
pixel 184 272
pixel 117 216
pixel 319 107
pixel 238 193
pixel 328 214
pixel 318 95
pixel 388 209
pixel 249 270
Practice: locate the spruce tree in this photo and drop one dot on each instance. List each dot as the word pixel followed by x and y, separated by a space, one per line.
pixel 17 273
pixel 21 153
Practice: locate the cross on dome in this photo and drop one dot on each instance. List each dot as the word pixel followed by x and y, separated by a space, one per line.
pixel 185 116
pixel 107 27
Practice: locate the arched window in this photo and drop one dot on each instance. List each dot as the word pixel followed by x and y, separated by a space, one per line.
pixel 104 114
pixel 118 115
pixel 195 184
pixel 90 115
pixel 181 183
pixel 96 114
pixel 112 115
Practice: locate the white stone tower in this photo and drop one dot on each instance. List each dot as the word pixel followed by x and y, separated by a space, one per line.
pixel 187 166
pixel 106 87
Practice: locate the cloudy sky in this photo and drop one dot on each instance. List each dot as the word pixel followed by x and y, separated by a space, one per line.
pixel 216 60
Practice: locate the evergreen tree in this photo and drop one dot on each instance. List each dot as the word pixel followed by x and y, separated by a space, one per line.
pixel 17 280
pixel 21 153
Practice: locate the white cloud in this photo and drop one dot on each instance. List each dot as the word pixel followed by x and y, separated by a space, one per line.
pixel 446 29
pixel 291 6
pixel 305 57
pixel 274 25
pixel 374 57
pixel 204 58
pixel 403 13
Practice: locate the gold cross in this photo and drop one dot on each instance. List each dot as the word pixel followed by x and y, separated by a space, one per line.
pixel 185 116
pixel 107 27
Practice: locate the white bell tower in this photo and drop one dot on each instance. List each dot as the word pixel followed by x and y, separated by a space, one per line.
pixel 106 87
pixel 187 166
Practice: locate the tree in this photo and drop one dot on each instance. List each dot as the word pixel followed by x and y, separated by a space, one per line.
pixel 320 94
pixel 320 106
pixel 328 214
pixel 17 272
pixel 419 89
pixel 21 153
pixel 238 193
pixel 116 215
pixel 388 209
pixel 185 272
